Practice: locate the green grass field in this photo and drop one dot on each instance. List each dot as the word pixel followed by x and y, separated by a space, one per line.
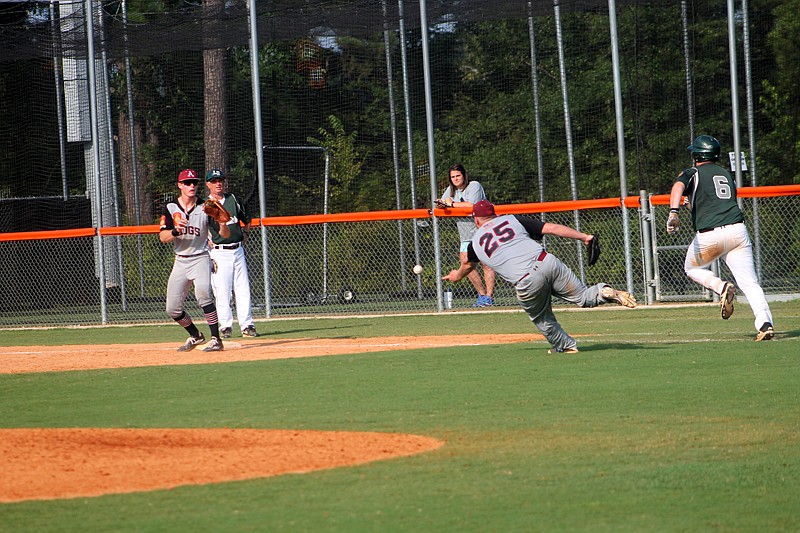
pixel 669 419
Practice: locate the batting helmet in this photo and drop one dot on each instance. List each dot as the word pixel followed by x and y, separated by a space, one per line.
pixel 704 148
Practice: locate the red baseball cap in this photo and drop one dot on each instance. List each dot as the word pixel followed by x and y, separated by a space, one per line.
pixel 188 174
pixel 484 208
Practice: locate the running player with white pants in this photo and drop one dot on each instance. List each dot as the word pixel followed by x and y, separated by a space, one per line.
pixel 509 245
pixel 185 224
pixel 720 233
pixel 230 266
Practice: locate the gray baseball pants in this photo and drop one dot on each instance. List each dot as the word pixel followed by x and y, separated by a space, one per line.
pixel 186 271
pixel 550 277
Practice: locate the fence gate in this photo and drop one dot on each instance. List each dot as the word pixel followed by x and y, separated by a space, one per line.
pixel 671 283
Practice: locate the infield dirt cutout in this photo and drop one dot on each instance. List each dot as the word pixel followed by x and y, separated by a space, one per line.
pixel 51 463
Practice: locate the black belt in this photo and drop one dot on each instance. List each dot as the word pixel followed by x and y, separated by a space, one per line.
pixel 227 246
pixel 712 229
pixel 193 255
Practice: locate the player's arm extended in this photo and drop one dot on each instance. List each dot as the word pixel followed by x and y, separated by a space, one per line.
pixel 565 231
pixel 457 275
pixel 468 264
pixel 676 194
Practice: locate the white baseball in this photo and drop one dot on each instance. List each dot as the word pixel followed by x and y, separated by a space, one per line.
pixel 417 269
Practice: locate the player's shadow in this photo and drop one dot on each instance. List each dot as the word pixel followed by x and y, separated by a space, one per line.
pixel 793 334
pixel 265 341
pixel 305 330
pixel 597 347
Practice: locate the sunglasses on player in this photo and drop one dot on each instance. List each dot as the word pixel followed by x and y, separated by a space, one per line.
pixel 190 182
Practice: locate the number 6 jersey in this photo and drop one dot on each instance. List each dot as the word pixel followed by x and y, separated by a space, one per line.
pixel 712 196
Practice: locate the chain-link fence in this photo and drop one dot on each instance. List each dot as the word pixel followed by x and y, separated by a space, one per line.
pixel 362 268
pixel 316 107
pixel 774 228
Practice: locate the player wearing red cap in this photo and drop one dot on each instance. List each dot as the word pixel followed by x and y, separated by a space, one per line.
pixel 185 225
pixel 509 244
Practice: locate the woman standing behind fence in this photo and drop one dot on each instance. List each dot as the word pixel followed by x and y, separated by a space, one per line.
pixel 464 193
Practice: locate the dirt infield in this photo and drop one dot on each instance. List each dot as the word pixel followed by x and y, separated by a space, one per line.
pixel 51 463
pixel 20 359
pixel 70 463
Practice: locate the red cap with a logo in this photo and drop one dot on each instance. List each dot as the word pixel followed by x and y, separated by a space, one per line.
pixel 187 174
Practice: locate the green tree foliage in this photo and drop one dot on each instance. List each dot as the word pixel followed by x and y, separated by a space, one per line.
pixel 483 104
pixel 780 101
pixel 345 163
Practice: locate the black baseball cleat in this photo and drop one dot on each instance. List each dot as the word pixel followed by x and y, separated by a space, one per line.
pixel 225 333
pixel 765 333
pixel 214 345
pixel 727 297
pixel 567 350
pixel 192 342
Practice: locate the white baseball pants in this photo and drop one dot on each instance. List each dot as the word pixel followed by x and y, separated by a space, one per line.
pixel 732 244
pixel 232 276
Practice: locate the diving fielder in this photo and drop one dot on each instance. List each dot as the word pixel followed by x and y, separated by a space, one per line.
pixel 509 245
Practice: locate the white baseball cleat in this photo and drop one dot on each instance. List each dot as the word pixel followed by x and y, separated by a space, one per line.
pixel 568 350
pixel 727 297
pixel 249 331
pixel 611 294
pixel 766 333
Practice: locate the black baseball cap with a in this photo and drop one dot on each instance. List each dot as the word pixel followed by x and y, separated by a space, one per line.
pixel 215 174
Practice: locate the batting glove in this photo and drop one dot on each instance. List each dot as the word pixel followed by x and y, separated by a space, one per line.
pixel 673 222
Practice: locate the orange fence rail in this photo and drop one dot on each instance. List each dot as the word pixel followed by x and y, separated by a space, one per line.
pixel 630 202
pixel 45 235
pixel 744 192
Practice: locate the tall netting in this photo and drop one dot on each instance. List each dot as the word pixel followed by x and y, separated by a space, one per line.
pixel 522 93
pixel 96 125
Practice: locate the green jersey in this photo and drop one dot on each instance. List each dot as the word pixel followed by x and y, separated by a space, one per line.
pixel 712 196
pixel 238 219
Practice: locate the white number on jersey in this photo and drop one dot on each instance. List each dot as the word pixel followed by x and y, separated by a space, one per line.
pixel 722 187
pixel 503 234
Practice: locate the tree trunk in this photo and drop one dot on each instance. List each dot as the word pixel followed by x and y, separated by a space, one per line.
pixel 216 98
pixel 143 172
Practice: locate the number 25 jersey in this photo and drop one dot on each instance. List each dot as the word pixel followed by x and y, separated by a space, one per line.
pixel 508 244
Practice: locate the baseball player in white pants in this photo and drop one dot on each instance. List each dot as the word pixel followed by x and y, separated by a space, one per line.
pixel 229 271
pixel 509 245
pixel 720 233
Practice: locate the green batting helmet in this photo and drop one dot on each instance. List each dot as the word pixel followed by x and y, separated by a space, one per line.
pixel 704 148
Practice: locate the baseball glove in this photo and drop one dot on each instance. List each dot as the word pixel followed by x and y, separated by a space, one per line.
pixel 215 210
pixel 594 249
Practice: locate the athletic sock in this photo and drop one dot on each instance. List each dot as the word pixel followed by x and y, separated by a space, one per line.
pixel 186 321
pixel 210 312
